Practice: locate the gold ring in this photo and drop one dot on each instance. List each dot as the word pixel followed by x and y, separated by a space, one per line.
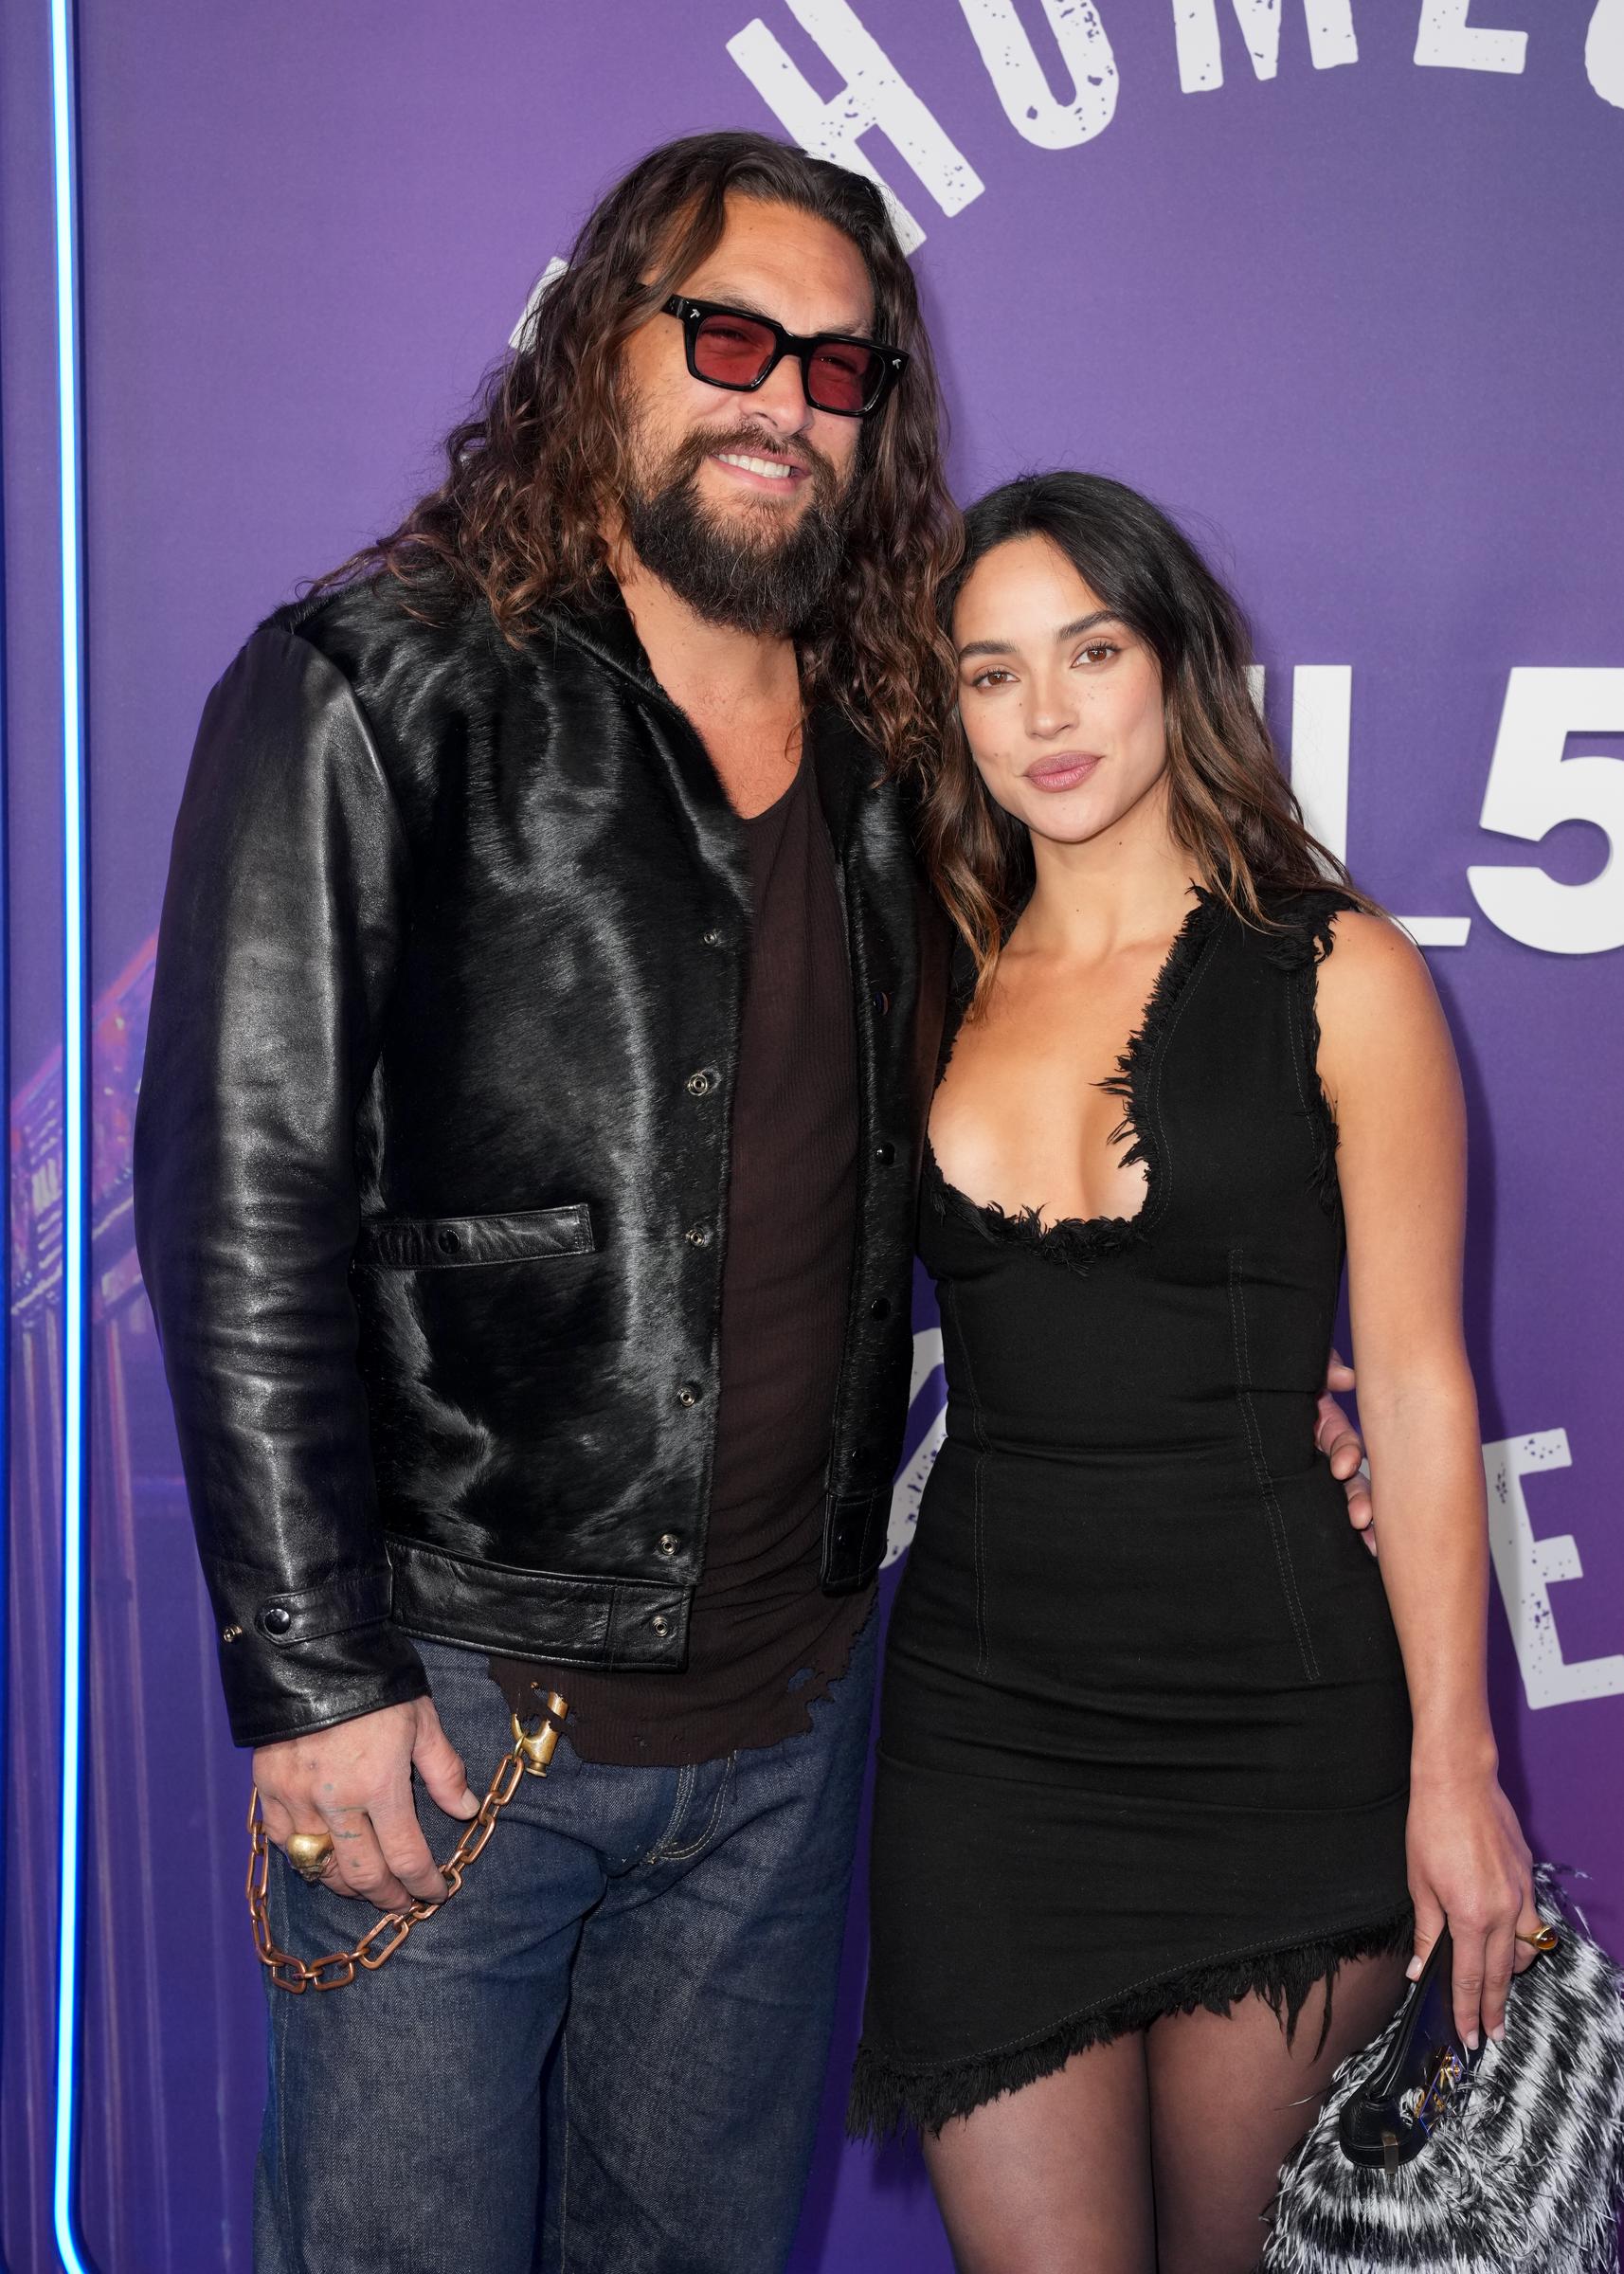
pixel 309 1853
pixel 1547 1939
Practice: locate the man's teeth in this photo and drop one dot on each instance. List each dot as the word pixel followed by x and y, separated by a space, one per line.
pixel 774 466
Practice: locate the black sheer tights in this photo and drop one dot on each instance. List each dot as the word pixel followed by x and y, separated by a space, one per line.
pixel 1154 2155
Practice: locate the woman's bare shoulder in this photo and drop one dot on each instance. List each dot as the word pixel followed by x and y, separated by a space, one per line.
pixel 1375 963
pixel 1377 1003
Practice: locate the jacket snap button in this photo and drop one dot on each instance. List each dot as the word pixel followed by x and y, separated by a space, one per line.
pixel 711 938
pixel 447 1241
pixel 699 1084
pixel 698 1235
pixel 688 1395
pixel 885 1154
pixel 667 1544
pixel 660 1624
pixel 879 1308
pixel 276 1619
pixel 881 1001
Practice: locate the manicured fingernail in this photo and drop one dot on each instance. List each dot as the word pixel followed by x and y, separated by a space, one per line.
pixel 1414 1968
pixel 1471 2041
pixel 1497 2035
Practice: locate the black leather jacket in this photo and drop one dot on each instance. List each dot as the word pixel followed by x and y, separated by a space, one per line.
pixel 431 1157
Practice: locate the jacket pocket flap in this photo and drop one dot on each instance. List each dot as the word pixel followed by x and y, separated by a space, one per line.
pixel 406 1243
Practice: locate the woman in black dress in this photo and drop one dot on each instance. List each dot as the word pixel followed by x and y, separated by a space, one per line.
pixel 1162 1757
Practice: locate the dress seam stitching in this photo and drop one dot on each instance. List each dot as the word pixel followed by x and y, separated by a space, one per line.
pixel 1266 1484
pixel 978 1537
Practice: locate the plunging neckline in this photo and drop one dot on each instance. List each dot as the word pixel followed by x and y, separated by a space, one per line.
pixel 1082 1239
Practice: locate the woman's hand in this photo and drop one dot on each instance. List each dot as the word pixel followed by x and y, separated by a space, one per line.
pixel 1468 1865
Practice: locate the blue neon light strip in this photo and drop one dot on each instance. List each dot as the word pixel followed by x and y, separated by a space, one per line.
pixel 64 159
pixel 6 1284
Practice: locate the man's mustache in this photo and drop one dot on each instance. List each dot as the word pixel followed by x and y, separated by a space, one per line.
pixel 692 453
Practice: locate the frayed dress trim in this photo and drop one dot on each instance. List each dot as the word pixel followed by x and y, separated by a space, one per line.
pixel 1303 937
pixel 886 2096
pixel 1297 935
pixel 1078 1243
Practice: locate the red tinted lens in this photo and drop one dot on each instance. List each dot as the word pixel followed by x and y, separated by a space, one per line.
pixel 844 376
pixel 732 350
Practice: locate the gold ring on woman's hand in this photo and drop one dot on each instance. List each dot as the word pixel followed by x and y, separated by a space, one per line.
pixel 1547 1939
pixel 309 1853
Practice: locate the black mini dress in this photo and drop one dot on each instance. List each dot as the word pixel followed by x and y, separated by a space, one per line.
pixel 1144 1735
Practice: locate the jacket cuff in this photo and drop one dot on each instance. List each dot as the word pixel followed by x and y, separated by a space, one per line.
pixel 295 1660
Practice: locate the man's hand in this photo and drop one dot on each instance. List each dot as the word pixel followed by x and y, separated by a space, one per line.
pixel 355 1783
pixel 1335 1435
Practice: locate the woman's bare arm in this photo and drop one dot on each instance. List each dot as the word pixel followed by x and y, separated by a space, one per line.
pixel 1389 1069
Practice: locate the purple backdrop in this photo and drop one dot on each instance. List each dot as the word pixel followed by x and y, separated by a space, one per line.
pixel 1337 281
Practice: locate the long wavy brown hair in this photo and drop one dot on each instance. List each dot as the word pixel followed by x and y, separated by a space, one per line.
pixel 531 475
pixel 1230 805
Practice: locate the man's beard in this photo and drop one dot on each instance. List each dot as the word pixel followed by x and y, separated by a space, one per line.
pixel 739 569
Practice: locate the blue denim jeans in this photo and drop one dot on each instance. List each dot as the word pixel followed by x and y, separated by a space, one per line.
pixel 606 2054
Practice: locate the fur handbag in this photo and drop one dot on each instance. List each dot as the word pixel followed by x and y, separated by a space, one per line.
pixel 1523 2170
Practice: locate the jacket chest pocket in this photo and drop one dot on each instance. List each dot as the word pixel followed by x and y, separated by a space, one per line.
pixel 420 1243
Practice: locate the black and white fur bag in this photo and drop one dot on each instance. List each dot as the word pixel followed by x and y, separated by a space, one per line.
pixel 1523 2173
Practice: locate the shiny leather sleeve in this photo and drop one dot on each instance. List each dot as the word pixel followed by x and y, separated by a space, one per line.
pixel 281 929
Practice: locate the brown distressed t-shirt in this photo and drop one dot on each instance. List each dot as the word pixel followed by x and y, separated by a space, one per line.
pixel 764 1640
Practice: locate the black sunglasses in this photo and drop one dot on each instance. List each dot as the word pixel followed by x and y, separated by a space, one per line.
pixel 728 347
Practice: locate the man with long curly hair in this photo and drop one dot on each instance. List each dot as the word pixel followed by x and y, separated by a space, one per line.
pixel 545 1009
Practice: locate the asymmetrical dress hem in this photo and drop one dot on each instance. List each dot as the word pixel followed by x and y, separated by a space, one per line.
pixel 886 2094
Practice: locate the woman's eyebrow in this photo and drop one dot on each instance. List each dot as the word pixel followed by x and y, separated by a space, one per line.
pixel 1086 624
pixel 1066 631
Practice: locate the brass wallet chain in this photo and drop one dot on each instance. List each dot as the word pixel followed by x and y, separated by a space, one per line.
pixel 532 1751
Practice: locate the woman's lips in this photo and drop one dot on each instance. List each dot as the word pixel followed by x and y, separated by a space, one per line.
pixel 1061 773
